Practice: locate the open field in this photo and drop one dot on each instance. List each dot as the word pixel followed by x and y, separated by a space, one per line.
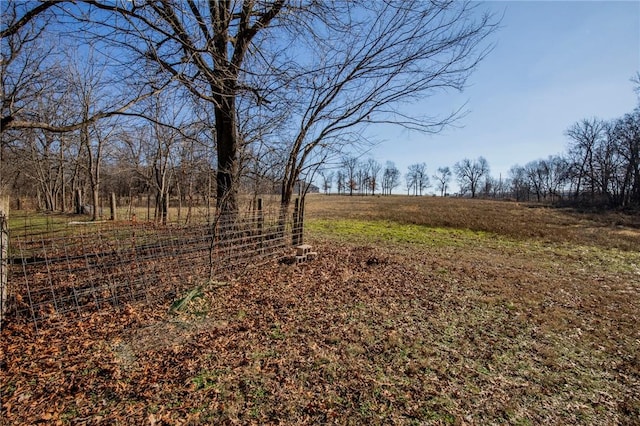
pixel 416 311
pixel 519 221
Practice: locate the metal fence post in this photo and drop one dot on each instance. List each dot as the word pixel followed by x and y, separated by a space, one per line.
pixel 295 237
pixel 4 261
pixel 260 227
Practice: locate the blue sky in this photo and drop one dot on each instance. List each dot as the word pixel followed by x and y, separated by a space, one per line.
pixel 554 63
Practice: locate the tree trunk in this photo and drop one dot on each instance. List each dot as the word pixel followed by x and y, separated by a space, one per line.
pixel 4 261
pixel 112 206
pixel 178 186
pixel 95 202
pixel 227 149
pixel 78 201
pixel 165 208
pixel 189 202
pixel 288 185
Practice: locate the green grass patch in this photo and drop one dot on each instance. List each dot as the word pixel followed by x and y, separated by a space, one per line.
pixel 28 224
pixel 385 231
pixel 206 380
pixel 391 233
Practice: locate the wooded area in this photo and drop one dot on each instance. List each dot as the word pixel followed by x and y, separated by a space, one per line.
pixel 199 102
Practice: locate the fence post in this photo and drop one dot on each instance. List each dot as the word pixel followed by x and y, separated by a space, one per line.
pixel 296 231
pixel 4 252
pixel 294 227
pixel 301 222
pixel 260 226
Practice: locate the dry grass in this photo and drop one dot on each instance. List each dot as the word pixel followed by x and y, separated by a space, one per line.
pixel 509 219
pixel 417 311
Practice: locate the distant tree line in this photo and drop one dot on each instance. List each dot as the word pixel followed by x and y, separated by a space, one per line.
pixel 601 168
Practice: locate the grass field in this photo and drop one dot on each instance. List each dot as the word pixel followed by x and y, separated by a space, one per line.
pixel 416 311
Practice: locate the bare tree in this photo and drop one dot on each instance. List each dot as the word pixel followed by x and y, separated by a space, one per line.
pixel 604 160
pixel 585 136
pixel 390 178
pixel 163 144
pixel 418 178
pixel 191 167
pixel 30 91
pixel 370 59
pixel 340 182
pixel 374 171
pixel 410 181
pixel 362 178
pixel 350 165
pixel 520 187
pixel 470 174
pixel 203 46
pixel 41 163
pixel 423 178
pixel 626 132
pixel 87 86
pixel 23 58
pixel 443 177
pixel 327 180
pixel 28 68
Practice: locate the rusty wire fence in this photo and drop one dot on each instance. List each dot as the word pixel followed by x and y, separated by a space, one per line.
pixel 68 271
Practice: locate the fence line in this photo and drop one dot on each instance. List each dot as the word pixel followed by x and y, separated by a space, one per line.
pixel 89 267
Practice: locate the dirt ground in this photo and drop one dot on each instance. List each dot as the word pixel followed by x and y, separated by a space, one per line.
pixel 495 313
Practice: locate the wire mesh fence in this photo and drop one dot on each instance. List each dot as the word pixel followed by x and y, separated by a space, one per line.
pixel 84 266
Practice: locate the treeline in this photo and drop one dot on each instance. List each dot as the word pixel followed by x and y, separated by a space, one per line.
pixel 354 177
pixel 144 166
pixel 601 168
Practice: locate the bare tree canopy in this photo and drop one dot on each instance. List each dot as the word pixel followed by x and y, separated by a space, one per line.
pixel 21 60
pixel 469 174
pixel 34 38
pixel 17 15
pixel 417 178
pixel 443 177
pixel 370 62
pixel 203 47
pixel 390 178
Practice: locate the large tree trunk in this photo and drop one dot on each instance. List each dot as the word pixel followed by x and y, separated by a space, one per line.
pixel 227 149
